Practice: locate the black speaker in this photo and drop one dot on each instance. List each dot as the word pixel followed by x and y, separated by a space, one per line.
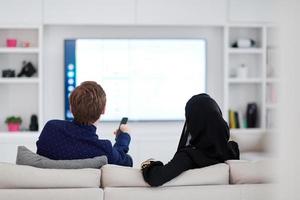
pixel 252 115
pixel 8 73
pixel 34 125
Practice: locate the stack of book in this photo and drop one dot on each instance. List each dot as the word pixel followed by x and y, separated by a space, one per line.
pixel 236 119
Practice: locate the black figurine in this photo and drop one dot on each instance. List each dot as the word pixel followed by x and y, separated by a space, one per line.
pixel 28 69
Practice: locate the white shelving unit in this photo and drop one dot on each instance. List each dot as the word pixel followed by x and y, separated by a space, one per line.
pixel 255 86
pixel 272 79
pixel 245 51
pixel 19 80
pixel 21 96
pixel 244 80
pixel 19 50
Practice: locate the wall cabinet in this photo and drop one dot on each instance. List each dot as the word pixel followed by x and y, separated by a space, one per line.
pixel 251 10
pixel 134 12
pixel 89 12
pixel 178 12
pixel 16 12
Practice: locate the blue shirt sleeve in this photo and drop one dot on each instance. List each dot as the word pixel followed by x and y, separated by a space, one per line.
pixel 119 151
pixel 122 142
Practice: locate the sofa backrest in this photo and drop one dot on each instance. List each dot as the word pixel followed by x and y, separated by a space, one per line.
pixel 251 172
pixel 251 142
pixel 232 172
pixel 118 176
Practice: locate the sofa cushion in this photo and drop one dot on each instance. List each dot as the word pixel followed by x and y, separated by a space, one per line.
pixel 250 172
pixel 27 157
pixel 256 156
pixel 52 194
pixel 118 176
pixel 21 176
pixel 203 192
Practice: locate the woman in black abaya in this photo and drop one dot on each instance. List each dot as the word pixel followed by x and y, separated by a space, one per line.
pixel 204 142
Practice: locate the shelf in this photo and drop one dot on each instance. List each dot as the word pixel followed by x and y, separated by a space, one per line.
pixel 271 106
pixel 19 138
pixel 245 50
pixel 19 80
pixel 245 80
pixel 19 27
pixel 272 80
pixel 272 130
pixel 19 50
pixel 19 133
pixel 247 130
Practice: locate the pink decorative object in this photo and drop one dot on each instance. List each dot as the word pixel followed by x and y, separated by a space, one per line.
pixel 13 127
pixel 25 44
pixel 11 42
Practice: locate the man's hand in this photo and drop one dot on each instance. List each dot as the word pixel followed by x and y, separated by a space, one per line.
pixel 123 128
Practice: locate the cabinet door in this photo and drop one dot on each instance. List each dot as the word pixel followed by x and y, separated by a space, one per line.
pixel 89 11
pixel 251 10
pixel 181 12
pixel 20 12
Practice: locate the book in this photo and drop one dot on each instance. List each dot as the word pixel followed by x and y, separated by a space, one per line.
pixel 232 123
pixel 241 119
pixel 236 119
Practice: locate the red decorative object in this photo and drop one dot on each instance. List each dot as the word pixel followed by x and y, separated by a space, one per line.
pixel 13 127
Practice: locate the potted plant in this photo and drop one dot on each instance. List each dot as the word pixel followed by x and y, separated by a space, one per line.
pixel 13 123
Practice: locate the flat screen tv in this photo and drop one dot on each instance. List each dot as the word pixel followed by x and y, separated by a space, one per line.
pixel 144 79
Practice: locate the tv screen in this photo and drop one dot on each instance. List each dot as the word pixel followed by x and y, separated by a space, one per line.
pixel 144 79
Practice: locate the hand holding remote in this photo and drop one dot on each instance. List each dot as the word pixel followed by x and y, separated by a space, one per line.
pixel 123 127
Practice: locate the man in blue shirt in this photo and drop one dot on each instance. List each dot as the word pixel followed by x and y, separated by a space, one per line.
pixel 65 140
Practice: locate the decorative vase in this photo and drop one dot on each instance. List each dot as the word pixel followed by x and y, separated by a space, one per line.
pixel 13 127
pixel 11 42
pixel 242 71
pixel 252 115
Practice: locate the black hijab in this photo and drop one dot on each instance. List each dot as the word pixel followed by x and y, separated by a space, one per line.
pixel 208 132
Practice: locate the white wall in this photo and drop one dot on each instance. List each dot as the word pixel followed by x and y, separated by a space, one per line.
pixel 159 139
pixel 289 162
pixel 134 12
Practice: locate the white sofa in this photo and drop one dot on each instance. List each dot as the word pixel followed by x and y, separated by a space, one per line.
pixel 233 180
pixel 217 182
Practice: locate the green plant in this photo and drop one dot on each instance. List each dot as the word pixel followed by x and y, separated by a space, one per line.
pixel 13 119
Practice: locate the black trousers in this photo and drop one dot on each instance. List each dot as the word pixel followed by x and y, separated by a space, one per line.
pixel 157 174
